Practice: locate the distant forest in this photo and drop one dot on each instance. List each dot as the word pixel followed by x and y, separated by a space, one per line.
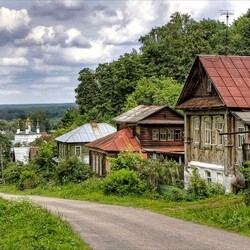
pixel 22 111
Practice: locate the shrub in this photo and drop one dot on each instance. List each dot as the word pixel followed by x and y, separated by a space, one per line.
pixel 12 173
pixel 28 180
pixel 200 189
pixel 126 160
pixel 155 173
pixel 72 170
pixel 122 182
pixel 171 193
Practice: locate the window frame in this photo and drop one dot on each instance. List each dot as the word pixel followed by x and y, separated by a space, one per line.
pixel 218 137
pixel 170 135
pixel 208 176
pixel 240 137
pixel 208 132
pixel 163 133
pixel 155 134
pixel 77 147
pixel 179 133
pixel 196 130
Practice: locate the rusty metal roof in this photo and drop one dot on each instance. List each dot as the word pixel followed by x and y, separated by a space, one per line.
pixel 86 133
pixel 230 76
pixel 202 102
pixel 119 141
pixel 137 114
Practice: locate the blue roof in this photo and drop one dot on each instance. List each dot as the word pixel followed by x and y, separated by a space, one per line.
pixel 86 133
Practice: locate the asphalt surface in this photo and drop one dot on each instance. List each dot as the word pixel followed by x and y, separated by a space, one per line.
pixel 108 227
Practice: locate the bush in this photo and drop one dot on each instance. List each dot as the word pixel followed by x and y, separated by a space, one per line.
pixel 155 173
pixel 72 170
pixel 122 182
pixel 126 160
pixel 12 173
pixel 200 189
pixel 171 193
pixel 28 180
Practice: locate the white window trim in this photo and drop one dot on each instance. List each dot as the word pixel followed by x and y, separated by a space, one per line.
pixel 196 130
pixel 170 135
pixel 163 131
pixel 80 151
pixel 218 138
pixel 155 134
pixel 240 137
pixel 208 132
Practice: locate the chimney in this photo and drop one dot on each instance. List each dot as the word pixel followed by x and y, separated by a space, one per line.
pixel 94 123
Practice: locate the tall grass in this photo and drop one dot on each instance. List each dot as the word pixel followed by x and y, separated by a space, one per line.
pixel 24 225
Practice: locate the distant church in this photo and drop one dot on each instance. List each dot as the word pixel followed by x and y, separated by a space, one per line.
pixel 27 136
pixel 24 138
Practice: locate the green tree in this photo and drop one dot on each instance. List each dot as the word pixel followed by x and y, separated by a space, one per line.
pixel 154 91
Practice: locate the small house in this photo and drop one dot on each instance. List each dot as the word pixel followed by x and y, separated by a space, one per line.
pixel 73 142
pixel 216 104
pixel 156 131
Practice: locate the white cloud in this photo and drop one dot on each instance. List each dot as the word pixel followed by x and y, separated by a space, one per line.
pixel 12 20
pixel 14 61
pixel 9 92
pixel 42 86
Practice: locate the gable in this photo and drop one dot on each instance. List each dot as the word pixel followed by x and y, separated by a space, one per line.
pixel 165 115
pixel 229 77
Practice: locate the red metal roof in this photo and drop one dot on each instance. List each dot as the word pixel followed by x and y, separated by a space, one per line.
pixel 119 141
pixel 231 78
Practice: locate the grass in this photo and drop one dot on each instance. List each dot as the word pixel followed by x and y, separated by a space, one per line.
pixel 226 212
pixel 24 225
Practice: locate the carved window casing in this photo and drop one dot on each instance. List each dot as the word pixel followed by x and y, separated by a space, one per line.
pixel 240 137
pixel 177 135
pixel 196 131
pixel 208 132
pixel 218 126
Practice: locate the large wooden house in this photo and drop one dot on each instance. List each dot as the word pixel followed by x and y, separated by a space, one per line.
pixel 216 104
pixel 153 130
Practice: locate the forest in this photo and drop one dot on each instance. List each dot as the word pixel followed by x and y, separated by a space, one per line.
pixel 156 73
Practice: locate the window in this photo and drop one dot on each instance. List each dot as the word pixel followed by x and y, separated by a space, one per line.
pixel 208 176
pixel 177 135
pixel 241 137
pixel 163 134
pixel 155 134
pixel 218 130
pixel 77 150
pixel 170 134
pixel 196 130
pixel 209 86
pixel 207 132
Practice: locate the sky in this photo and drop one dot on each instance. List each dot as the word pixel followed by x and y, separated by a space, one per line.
pixel 44 44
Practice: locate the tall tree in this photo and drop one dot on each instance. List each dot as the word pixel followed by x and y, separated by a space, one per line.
pixel 154 91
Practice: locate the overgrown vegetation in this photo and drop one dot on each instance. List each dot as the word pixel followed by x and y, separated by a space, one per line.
pixel 26 226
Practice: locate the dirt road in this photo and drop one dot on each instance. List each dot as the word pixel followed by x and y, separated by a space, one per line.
pixel 116 228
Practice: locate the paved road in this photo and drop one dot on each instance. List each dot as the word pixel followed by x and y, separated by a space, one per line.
pixel 117 228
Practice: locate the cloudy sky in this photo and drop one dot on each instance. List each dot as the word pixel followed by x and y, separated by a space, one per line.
pixel 44 44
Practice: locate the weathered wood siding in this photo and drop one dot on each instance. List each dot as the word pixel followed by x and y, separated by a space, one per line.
pixel 146 135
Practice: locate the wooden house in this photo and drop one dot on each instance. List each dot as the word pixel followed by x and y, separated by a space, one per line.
pixel 73 142
pixel 216 104
pixel 153 130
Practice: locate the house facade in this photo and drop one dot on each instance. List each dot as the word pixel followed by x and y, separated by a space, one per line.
pixel 73 142
pixel 156 131
pixel 216 104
